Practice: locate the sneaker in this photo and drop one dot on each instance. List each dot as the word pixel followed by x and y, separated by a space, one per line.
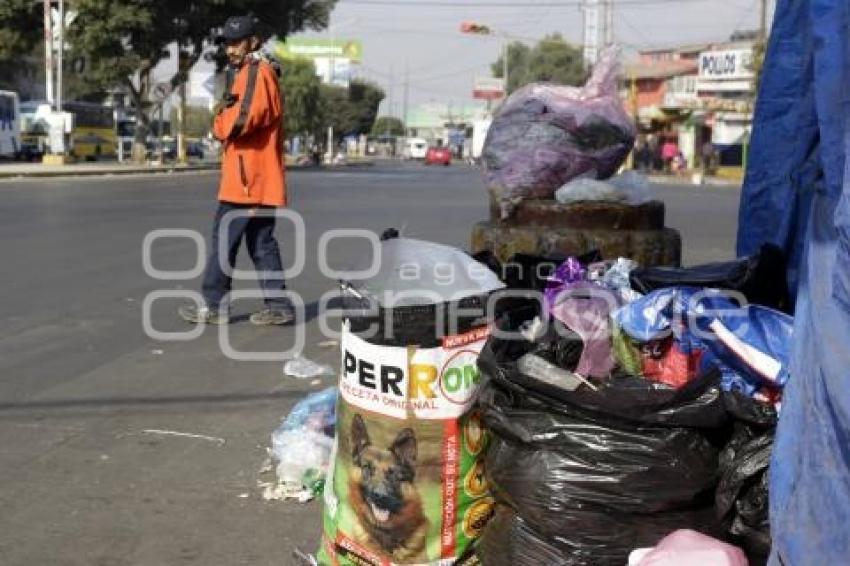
pixel 203 315
pixel 269 317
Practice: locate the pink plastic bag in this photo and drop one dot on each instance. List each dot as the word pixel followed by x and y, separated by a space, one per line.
pixel 686 547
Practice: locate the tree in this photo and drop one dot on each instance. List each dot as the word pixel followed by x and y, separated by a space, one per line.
pixel 301 90
pixel 197 121
pixel 124 41
pixel 351 111
pixel 21 28
pixel 552 60
pixel 388 126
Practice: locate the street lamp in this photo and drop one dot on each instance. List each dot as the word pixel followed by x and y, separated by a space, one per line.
pixel 474 28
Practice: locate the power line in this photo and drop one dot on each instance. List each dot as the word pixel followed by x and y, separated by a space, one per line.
pixel 513 4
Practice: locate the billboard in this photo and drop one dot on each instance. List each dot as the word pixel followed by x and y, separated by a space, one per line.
pixel 726 65
pixel 488 88
pixel 320 49
pixel 332 58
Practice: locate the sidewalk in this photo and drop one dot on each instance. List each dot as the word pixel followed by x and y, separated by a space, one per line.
pixel 39 170
pixel 707 182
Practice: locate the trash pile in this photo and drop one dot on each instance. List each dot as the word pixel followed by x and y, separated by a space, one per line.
pixel 301 448
pixel 630 403
pixel 545 135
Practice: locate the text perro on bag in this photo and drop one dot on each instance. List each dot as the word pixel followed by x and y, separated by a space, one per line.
pixel 406 483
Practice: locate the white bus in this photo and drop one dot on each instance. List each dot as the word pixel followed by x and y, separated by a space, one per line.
pixel 10 124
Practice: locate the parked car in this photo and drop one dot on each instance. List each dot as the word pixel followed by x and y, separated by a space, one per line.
pixel 438 156
pixel 195 149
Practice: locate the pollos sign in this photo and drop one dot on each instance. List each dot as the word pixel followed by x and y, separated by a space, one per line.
pixel 731 64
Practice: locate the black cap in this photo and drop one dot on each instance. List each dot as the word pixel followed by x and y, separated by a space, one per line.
pixel 238 28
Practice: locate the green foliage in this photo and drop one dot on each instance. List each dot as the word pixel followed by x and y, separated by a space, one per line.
pixel 552 60
pixel 388 126
pixel 350 111
pixel 301 90
pixel 759 52
pixel 198 121
pixel 21 27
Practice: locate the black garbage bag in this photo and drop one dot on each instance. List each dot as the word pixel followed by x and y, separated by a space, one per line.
pixel 742 494
pixel 591 475
pixel 761 278
pixel 510 540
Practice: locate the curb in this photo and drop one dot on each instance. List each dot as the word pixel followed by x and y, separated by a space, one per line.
pixel 710 182
pixel 153 170
pixel 107 172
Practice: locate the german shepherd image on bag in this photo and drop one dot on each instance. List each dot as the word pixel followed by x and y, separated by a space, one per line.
pixel 387 504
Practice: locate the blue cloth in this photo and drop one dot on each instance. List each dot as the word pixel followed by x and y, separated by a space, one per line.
pixel 797 195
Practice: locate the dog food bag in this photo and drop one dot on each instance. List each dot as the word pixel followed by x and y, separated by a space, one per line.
pixel 406 484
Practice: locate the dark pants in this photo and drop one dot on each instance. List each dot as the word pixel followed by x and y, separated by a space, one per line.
pixel 258 232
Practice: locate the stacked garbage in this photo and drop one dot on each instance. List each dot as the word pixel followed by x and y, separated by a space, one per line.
pixel 627 404
pixel 545 136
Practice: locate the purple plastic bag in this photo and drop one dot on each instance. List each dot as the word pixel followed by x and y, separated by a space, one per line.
pixel 545 135
pixel 565 277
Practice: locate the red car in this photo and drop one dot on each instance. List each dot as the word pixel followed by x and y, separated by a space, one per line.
pixel 438 156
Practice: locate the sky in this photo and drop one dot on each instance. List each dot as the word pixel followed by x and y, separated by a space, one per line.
pixel 423 36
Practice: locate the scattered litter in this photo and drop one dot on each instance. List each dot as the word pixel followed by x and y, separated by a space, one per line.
pixel 302 368
pixel 301 447
pixel 315 382
pixel 104 458
pixel 328 344
pixel 244 495
pixel 304 558
pixel 284 491
pixel 157 352
pixel 216 439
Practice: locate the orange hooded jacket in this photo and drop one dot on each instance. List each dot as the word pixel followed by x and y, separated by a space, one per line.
pixel 252 170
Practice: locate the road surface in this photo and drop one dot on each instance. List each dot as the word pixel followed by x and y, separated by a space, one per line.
pixel 90 470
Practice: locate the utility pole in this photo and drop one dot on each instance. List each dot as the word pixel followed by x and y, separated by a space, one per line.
pixel 405 108
pixel 609 22
pixel 592 35
pixel 763 20
pixel 505 64
pixel 48 53
pixel 181 108
pixel 61 55
pixel 391 97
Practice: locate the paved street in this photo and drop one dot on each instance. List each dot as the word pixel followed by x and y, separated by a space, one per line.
pixel 81 482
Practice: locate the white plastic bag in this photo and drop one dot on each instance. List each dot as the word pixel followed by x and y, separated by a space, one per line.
pixel 302 368
pixel 583 190
pixel 629 188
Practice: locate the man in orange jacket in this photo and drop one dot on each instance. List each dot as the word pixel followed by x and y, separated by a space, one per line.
pixel 249 122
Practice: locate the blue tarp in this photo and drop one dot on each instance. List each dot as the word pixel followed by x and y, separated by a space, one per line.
pixel 797 195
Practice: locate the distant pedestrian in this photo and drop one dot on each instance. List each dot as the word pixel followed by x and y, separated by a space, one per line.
pixel 669 151
pixel 249 124
pixel 707 157
pixel 654 152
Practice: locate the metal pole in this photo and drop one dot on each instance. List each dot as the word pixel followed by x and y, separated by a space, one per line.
pixel 159 131
pixel 763 20
pixel 406 95
pixel 48 53
pixel 181 119
pixel 505 68
pixel 61 55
